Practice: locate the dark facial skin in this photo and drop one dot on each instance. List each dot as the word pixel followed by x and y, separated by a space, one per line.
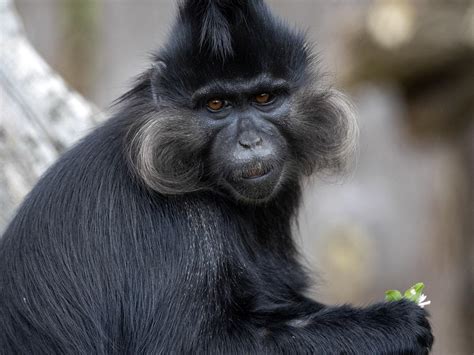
pixel 248 152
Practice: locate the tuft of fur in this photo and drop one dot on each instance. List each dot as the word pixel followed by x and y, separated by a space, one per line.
pixel 214 20
pixel 166 160
pixel 324 131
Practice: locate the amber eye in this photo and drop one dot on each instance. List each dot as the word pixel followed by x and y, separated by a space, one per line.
pixel 215 104
pixel 263 98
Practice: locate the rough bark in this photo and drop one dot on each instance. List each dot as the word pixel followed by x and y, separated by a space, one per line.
pixel 39 115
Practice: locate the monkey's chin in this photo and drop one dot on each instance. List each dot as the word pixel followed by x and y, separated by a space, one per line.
pixel 258 189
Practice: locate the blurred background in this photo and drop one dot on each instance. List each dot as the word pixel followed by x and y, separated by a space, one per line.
pixel 406 212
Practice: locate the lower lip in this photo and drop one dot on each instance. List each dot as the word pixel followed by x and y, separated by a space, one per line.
pixel 256 177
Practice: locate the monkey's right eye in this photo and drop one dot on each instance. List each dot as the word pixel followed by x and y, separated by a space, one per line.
pixel 215 105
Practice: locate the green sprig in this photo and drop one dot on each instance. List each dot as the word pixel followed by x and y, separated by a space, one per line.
pixel 414 294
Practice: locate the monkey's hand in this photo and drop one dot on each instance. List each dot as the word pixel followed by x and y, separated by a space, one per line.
pixel 407 323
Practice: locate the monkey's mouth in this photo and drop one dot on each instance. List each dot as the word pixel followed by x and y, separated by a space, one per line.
pixel 255 171
pixel 254 181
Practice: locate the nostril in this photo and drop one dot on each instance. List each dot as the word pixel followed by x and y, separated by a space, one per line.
pixel 250 143
pixel 244 144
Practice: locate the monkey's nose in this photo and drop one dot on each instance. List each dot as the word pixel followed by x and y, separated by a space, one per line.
pixel 250 141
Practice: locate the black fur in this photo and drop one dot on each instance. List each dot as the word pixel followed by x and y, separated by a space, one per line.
pixel 132 244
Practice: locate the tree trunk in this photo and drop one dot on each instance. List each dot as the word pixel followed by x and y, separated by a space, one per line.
pixel 39 117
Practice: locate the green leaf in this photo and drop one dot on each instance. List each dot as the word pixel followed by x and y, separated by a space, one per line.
pixel 393 295
pixel 414 292
pixel 409 295
pixel 418 287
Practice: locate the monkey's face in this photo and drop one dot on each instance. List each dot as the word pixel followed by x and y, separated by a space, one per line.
pixel 248 152
pixel 246 138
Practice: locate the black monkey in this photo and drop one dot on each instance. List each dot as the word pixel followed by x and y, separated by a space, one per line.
pixel 168 229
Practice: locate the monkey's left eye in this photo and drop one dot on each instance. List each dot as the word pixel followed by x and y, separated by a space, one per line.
pixel 264 98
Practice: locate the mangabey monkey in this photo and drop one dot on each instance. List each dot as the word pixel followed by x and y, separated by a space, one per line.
pixel 168 228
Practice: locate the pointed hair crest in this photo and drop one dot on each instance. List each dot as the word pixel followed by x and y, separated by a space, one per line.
pixel 213 21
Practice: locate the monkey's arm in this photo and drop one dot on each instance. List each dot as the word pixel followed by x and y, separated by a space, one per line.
pixel 384 328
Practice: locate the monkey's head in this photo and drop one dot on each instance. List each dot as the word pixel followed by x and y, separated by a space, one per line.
pixel 233 104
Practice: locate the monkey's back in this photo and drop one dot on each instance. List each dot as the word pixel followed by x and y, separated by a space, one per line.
pixel 91 259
